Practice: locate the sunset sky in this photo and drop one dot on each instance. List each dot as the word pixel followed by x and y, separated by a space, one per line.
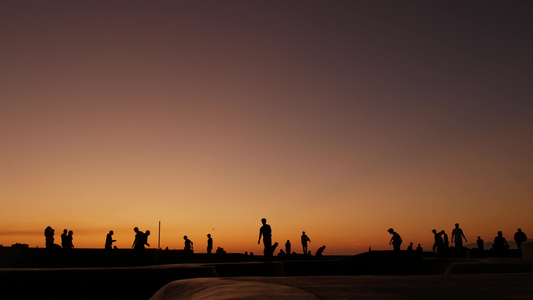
pixel 340 118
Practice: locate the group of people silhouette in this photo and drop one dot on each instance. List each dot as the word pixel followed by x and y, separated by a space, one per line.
pixel 266 233
pixel 66 239
pixel 441 243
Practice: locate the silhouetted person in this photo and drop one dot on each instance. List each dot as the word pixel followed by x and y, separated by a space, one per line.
pixel 68 240
pixel 145 238
pixel 480 244
pixel 320 251
pixel 305 239
pixel 520 237
pixel 49 238
pixel 209 244
pixel 445 241
pixel 64 239
pixel 396 240
pixel 188 244
pixel 288 247
pixel 419 249
pixel 457 236
pixel 266 232
pixel 281 253
pixel 437 240
pixel 109 240
pixel 410 247
pixel 138 243
pixel 500 244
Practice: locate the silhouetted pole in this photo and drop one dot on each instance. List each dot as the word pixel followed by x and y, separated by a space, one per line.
pixel 159 237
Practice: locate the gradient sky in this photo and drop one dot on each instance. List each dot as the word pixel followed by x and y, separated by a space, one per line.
pixel 340 118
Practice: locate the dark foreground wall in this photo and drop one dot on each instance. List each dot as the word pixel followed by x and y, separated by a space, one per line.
pixel 93 283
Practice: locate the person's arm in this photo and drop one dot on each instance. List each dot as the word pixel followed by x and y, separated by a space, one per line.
pixel 464 236
pixel 260 234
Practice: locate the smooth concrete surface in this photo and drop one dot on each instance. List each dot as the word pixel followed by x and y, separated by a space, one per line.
pixel 385 287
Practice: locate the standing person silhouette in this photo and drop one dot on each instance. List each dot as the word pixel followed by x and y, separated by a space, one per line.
pixel 145 239
pixel 266 232
pixel 480 244
pixel 64 239
pixel 209 244
pixel 68 240
pixel 457 236
pixel 305 239
pixel 438 240
pixel 138 243
pixel 288 247
pixel 188 244
pixel 520 237
pixel 109 240
pixel 49 237
pixel 445 241
pixel 396 240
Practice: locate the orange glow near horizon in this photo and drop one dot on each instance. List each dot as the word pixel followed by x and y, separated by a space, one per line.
pixel 340 120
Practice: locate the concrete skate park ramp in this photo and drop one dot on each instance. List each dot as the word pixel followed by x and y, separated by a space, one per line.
pixel 380 287
pixel 224 288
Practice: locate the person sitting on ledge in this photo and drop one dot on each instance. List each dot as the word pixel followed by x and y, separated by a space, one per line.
pixel 500 244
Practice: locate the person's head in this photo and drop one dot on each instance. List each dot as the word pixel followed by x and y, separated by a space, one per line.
pixel 288 241
pixel 479 238
pixel 147 232
pixel 442 231
pixel 519 229
pixel 500 233
pixel 434 231
pixel 303 232
pixel 64 231
pixel 184 237
pixel 208 235
pixel 111 232
pixel 136 229
pixel 456 225
pixel 263 220
pixel 411 243
pixel 70 232
pixel 390 230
